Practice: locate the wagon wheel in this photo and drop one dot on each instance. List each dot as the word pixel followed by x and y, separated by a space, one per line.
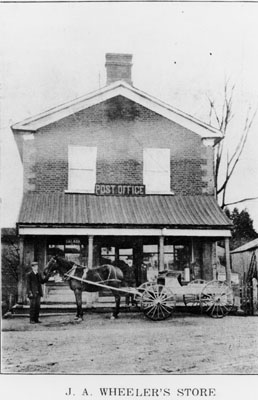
pixel 193 299
pixel 217 299
pixel 157 302
pixel 141 289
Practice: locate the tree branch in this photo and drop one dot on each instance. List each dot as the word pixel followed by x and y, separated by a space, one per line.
pixel 224 191
pixel 222 120
pixel 238 151
pixel 241 201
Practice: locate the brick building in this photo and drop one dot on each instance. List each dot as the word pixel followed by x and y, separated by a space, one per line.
pixel 118 174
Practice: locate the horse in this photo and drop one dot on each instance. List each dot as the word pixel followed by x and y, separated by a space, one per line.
pixel 106 274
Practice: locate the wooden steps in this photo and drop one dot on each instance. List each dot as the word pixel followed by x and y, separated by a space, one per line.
pixel 59 299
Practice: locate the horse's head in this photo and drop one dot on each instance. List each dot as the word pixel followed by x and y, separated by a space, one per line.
pixel 58 264
pixel 51 267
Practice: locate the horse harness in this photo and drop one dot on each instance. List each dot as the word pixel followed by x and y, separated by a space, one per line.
pixel 69 274
pixel 110 279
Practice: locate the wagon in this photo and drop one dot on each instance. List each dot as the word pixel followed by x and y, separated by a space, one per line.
pixel 158 299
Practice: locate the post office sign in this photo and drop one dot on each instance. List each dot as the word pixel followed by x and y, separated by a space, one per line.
pixel 112 189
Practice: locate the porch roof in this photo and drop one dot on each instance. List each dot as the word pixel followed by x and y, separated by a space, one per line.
pixel 66 209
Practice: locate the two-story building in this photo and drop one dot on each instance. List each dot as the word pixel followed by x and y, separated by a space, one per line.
pixel 119 175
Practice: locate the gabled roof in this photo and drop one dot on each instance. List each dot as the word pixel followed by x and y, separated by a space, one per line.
pixel 152 210
pixel 119 88
pixel 246 247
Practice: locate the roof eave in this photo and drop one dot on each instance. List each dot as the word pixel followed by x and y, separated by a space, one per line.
pixel 55 114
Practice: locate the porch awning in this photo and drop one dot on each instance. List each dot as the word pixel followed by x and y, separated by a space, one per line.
pixel 62 210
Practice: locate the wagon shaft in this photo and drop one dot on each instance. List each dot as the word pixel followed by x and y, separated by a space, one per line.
pixel 127 290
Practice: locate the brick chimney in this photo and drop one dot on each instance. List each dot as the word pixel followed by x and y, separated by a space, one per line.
pixel 118 67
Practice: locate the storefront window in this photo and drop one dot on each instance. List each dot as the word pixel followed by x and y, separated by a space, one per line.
pixel 176 258
pixel 73 250
pixel 181 257
pixel 151 261
pixel 126 255
pixel 54 249
pixel 107 255
pixel 70 248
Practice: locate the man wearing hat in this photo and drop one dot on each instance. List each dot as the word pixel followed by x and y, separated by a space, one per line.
pixel 34 290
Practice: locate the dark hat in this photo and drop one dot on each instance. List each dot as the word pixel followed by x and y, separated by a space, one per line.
pixel 34 263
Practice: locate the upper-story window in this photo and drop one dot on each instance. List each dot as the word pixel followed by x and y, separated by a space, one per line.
pixel 82 168
pixel 156 170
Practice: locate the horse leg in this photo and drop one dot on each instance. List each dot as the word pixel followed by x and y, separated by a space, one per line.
pixel 117 308
pixel 78 298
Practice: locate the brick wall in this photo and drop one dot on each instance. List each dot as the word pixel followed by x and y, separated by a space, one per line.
pixel 120 129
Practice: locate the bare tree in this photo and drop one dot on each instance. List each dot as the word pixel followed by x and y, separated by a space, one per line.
pixel 222 153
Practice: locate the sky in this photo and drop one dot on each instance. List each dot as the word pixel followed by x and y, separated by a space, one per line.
pixel 182 54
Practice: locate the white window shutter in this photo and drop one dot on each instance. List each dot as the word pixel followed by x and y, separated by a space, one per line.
pixel 82 168
pixel 156 170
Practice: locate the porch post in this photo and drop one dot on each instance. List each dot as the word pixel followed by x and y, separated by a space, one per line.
pixel 117 255
pixel 161 253
pixel 21 282
pixel 192 251
pixel 90 251
pixel 42 258
pixel 228 270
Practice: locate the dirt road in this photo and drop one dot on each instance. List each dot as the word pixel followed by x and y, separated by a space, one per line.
pixel 183 344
